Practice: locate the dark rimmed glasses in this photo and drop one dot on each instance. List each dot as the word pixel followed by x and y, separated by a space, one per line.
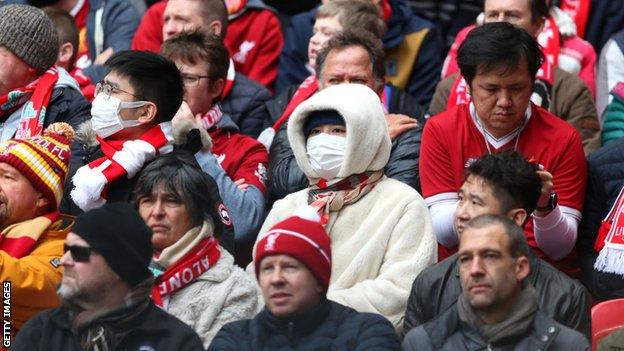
pixel 78 253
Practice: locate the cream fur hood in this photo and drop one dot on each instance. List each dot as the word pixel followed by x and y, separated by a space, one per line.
pixel 368 141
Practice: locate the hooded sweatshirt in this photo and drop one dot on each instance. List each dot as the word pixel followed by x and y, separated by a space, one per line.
pixel 381 242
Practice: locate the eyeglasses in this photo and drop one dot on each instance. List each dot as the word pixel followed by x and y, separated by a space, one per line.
pixel 192 80
pixel 78 253
pixel 107 88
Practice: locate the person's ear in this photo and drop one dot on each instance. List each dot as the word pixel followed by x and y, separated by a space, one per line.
pixel 216 27
pixel 42 203
pixel 216 88
pixel 541 22
pixel 518 215
pixel 522 268
pixel 147 112
pixel 66 52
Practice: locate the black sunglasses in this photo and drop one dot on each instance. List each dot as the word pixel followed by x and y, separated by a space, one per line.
pixel 78 253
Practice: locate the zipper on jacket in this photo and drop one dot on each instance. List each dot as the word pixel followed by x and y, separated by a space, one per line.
pixel 291 330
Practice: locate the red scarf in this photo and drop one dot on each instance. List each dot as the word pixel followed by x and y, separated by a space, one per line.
pixel 330 196
pixel 86 87
pixel 18 240
pixel 212 117
pixel 579 11
pixel 610 239
pixel 544 79
pixel 386 10
pixel 195 263
pixel 122 158
pixel 36 96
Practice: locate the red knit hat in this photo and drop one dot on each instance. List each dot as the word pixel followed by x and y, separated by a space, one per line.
pixel 44 160
pixel 302 237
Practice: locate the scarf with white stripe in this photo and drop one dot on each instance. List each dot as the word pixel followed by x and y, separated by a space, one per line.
pixel 121 158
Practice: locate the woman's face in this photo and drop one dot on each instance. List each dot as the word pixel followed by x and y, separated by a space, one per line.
pixel 167 215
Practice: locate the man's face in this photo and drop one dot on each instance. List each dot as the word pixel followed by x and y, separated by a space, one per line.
pixel 85 283
pixel 349 65
pixel 288 286
pixel 324 29
pixel 501 98
pixel 19 200
pixel 199 91
pixel 123 90
pixel 14 73
pixel 181 16
pixel 516 12
pixel 489 276
pixel 476 198
pixel 166 215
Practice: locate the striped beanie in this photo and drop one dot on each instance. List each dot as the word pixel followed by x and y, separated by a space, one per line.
pixel 302 237
pixel 43 160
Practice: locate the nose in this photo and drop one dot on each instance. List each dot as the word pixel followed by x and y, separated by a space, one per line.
pixel 501 17
pixel 66 259
pixel 476 267
pixel 169 29
pixel 276 277
pixel 461 211
pixel 504 99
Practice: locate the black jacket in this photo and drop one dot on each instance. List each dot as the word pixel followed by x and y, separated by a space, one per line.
pixel 606 178
pixel 245 105
pixel 447 332
pixel 437 288
pixel 285 176
pixel 154 329
pixel 327 326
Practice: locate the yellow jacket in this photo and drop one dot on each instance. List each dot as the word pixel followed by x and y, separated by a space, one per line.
pixel 34 278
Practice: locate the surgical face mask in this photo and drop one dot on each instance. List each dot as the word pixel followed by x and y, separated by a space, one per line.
pixel 326 154
pixel 105 115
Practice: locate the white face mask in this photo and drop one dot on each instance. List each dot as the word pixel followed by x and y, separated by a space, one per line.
pixel 105 115
pixel 326 153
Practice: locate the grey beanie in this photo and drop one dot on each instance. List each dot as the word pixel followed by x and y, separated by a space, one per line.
pixel 28 33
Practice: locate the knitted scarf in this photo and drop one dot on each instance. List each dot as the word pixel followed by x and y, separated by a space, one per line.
pixel 518 322
pixel 330 196
pixel 198 259
pixel 212 117
pixel 579 11
pixel 36 96
pixel 610 239
pixel 121 158
pixel 19 239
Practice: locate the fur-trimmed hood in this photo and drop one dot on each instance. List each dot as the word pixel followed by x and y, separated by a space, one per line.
pixel 368 141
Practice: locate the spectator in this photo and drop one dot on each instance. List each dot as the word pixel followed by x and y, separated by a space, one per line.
pixel 32 174
pixel 610 71
pixel 614 116
pixel 349 57
pixel 413 50
pixel 105 26
pixel 33 93
pixel 254 36
pixel 67 32
pixel 499 184
pixel 498 309
pixel 606 18
pixel 379 226
pixel 131 124
pixel 556 90
pixel 237 162
pixel 105 292
pixel 499 62
pixel 293 267
pixel 173 198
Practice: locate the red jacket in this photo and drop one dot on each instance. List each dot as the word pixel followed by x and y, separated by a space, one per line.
pixel 254 40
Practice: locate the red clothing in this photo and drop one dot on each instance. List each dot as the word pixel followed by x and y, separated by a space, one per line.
pixel 86 86
pixel 451 139
pixel 241 157
pixel 254 40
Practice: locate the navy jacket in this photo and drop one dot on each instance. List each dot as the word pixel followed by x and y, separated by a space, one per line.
pixel 327 326
pixel 245 105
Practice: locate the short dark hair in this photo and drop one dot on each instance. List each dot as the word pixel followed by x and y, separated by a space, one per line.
pixel 197 45
pixel 215 10
pixel 539 9
pixel 153 77
pixel 518 245
pixel 355 37
pixel 495 45
pixel 181 178
pixel 514 180
pixel 65 28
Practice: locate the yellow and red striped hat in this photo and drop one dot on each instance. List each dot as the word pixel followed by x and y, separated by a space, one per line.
pixel 43 159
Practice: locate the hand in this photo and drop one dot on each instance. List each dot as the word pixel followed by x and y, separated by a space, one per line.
pixel 104 56
pixel 399 124
pixel 241 184
pixel 547 186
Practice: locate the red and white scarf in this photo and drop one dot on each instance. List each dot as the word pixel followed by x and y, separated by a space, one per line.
pixel 544 79
pixel 610 239
pixel 19 239
pixel 330 196
pixel 184 271
pixel 579 11
pixel 36 97
pixel 122 158
pixel 212 117
pixel 229 81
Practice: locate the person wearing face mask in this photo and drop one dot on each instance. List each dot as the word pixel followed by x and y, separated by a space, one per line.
pixel 380 228
pixel 129 127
